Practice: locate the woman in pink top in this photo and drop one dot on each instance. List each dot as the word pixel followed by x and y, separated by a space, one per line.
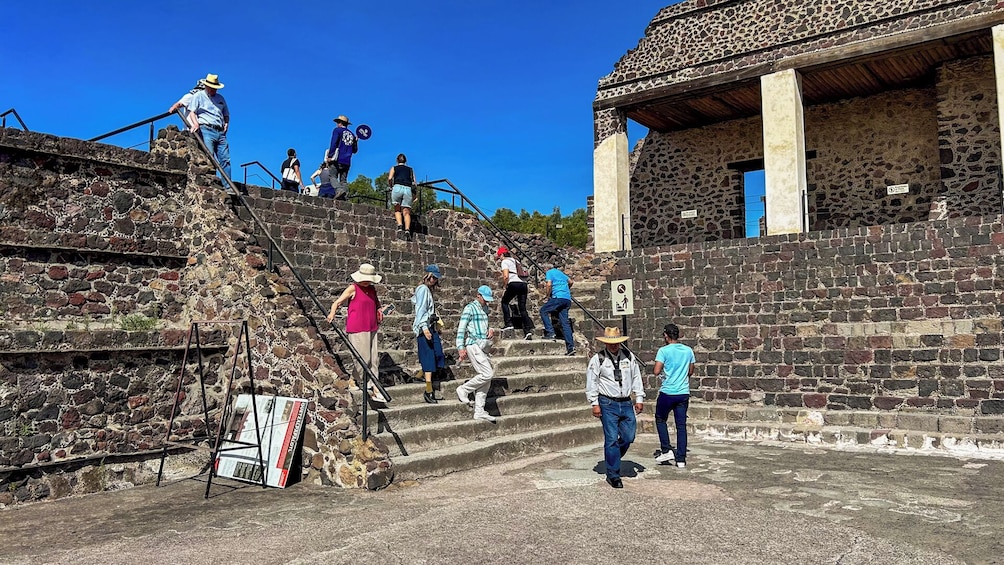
pixel 363 319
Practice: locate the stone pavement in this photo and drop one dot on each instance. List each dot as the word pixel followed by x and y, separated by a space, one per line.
pixel 735 503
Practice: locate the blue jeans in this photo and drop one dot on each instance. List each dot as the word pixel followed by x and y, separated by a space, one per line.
pixel 678 404
pixel 618 432
pixel 216 141
pixel 559 305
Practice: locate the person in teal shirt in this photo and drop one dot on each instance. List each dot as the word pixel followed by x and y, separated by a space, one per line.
pixel 675 363
pixel 557 287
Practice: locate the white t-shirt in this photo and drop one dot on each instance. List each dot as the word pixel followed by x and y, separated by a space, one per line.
pixel 510 264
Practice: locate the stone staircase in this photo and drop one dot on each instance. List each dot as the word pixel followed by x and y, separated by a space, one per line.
pixel 538 394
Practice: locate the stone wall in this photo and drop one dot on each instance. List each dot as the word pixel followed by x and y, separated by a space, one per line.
pixel 968 139
pixel 683 42
pixel 689 170
pixel 863 145
pixel 83 403
pixel 900 317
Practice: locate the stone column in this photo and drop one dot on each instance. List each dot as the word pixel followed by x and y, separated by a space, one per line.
pixel 611 182
pixel 998 35
pixel 783 151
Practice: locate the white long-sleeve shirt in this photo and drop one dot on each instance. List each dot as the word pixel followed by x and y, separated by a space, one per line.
pixel 601 378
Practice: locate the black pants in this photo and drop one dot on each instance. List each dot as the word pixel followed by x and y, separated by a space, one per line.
pixel 290 185
pixel 517 290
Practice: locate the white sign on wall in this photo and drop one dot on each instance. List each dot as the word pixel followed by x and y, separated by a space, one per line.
pixel 622 297
pixel 688 214
pixel 897 189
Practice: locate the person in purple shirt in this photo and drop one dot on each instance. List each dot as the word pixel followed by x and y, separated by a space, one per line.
pixel 339 156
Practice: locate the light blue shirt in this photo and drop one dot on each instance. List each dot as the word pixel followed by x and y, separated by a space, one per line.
pixel 424 307
pixel 676 359
pixel 210 110
pixel 559 284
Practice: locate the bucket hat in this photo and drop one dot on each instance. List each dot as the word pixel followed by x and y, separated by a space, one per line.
pixel 366 272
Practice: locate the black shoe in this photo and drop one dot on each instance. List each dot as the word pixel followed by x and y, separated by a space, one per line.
pixel 548 336
pixel 430 397
pixel 407 235
pixel 616 483
pixel 570 353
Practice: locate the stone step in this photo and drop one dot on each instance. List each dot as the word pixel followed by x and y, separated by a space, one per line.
pixel 411 441
pixel 445 460
pixel 957 442
pixel 411 393
pixel 410 415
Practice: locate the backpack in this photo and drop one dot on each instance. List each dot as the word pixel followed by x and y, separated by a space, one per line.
pixel 288 170
pixel 521 271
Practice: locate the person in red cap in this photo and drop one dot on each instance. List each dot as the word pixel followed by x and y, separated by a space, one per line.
pixel 515 287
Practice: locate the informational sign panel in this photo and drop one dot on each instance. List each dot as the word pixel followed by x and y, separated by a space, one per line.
pixel 897 189
pixel 281 420
pixel 622 297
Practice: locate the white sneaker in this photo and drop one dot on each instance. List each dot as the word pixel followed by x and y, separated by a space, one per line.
pixel 665 457
pixel 681 464
pixel 485 416
pixel 507 328
pixel 464 399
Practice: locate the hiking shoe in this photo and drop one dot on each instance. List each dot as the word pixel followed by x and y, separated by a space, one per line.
pixel 548 336
pixel 664 458
pixel 528 336
pixel 507 328
pixel 485 416
pixel 681 464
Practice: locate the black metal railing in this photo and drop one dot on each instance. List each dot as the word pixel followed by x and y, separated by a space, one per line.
pixel 12 112
pixel 513 247
pixel 150 121
pixel 275 179
pixel 273 249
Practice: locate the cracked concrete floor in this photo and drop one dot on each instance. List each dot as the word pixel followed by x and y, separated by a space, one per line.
pixel 735 503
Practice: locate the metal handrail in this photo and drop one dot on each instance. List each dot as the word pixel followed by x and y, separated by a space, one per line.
pixel 275 179
pixel 13 112
pixel 138 124
pixel 510 244
pixel 235 194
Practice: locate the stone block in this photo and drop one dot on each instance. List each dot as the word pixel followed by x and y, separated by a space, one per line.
pixel 955 425
pixel 989 425
pixel 917 422
pixel 864 419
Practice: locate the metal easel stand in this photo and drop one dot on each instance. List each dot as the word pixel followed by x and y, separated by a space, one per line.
pixel 243 338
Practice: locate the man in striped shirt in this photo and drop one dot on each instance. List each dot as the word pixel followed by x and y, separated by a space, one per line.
pixel 473 340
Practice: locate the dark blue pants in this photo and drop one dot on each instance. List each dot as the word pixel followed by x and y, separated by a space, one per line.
pixel 677 404
pixel 618 432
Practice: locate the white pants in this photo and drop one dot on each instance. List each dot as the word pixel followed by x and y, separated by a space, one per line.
pixel 482 381
pixel 366 344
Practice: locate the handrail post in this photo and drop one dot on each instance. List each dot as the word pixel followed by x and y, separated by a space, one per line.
pixel 151 136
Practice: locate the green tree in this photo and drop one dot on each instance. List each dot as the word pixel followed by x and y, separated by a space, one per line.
pixel 361 190
pixel 506 219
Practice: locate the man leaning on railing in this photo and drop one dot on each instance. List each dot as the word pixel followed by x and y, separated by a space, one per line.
pixel 209 115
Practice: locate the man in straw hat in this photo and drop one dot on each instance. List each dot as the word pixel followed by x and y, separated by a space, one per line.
pixel 184 101
pixel 363 319
pixel 208 114
pixel 611 377
pixel 339 156
pixel 473 340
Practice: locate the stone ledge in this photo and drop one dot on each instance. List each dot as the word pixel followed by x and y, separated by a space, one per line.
pixel 986 445
pixel 92 250
pixel 21 342
pixel 64 147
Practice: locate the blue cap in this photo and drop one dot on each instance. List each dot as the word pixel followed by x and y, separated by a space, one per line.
pixel 485 292
pixel 434 271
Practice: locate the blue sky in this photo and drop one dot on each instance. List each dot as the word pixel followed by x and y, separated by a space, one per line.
pixel 494 95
